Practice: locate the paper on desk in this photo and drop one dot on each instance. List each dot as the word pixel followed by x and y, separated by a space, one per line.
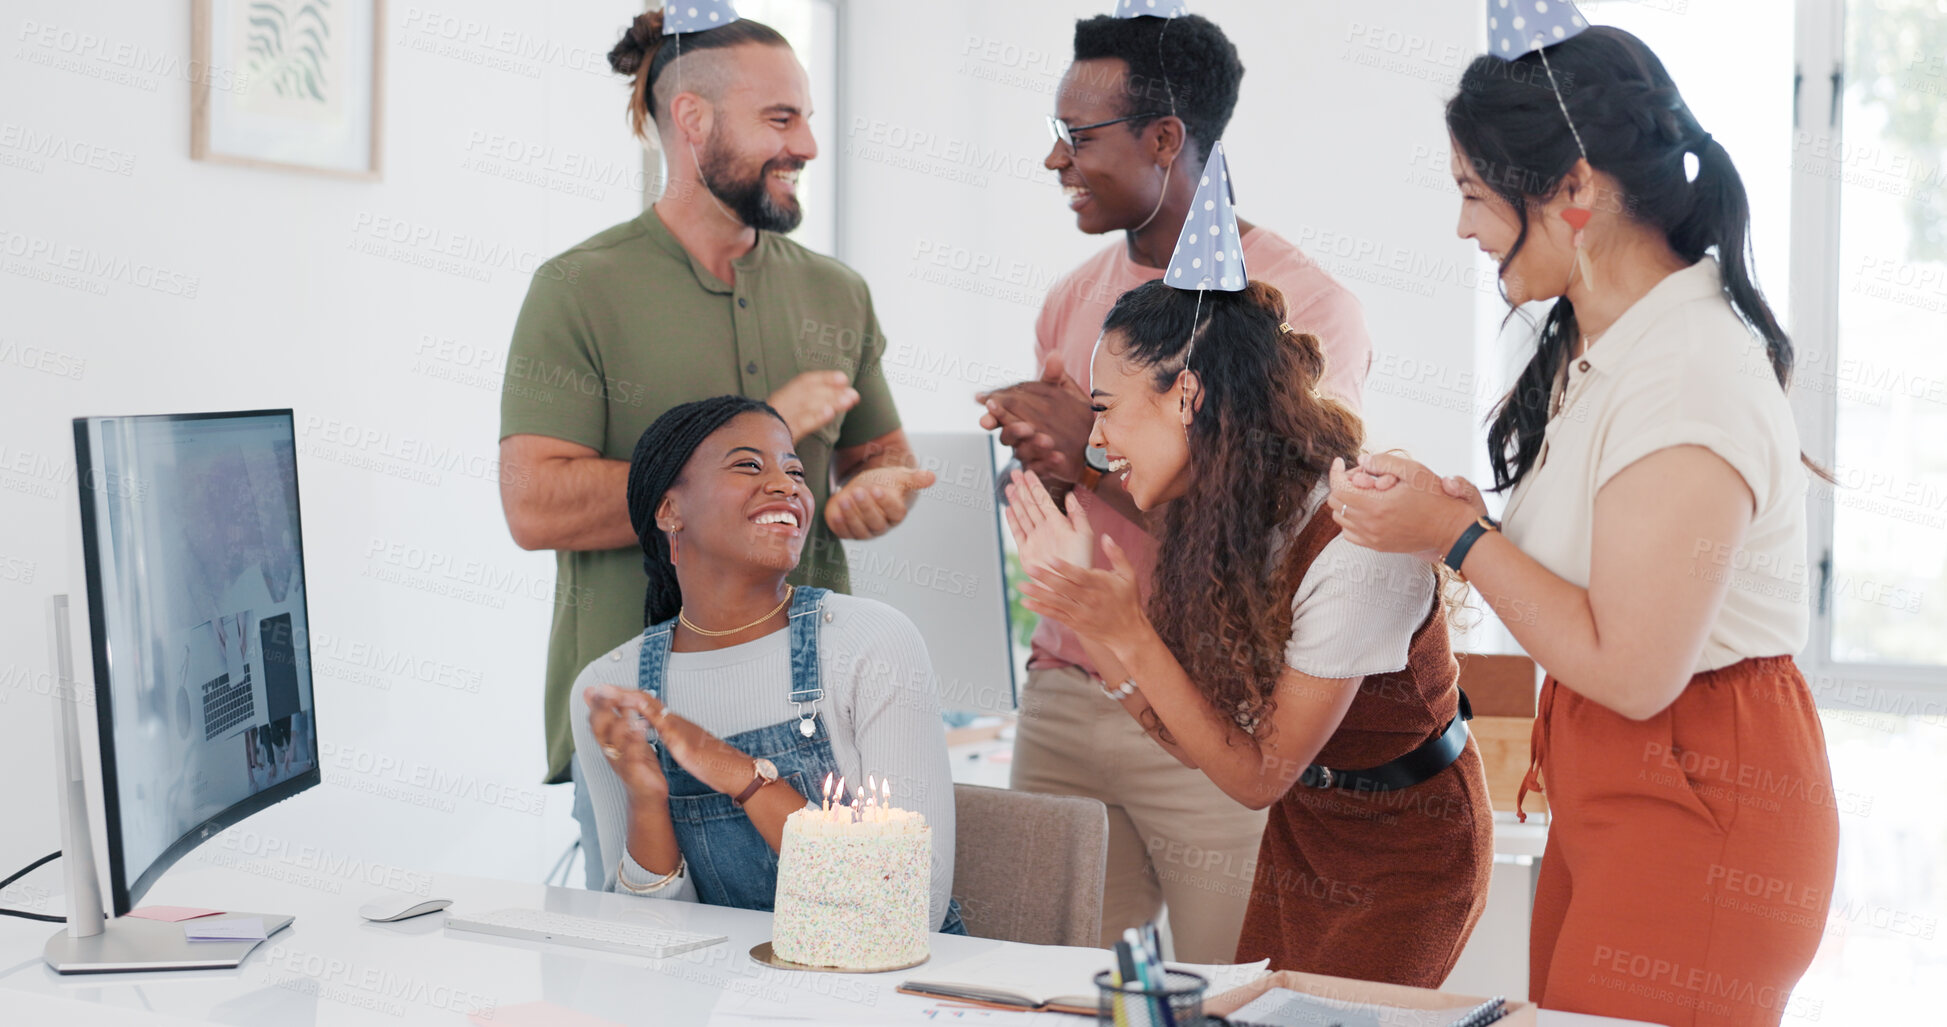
pixel 1225 976
pixel 801 999
pixel 811 1009
pixel 1050 971
pixel 1296 1009
pixel 538 1014
pixel 249 928
pixel 171 914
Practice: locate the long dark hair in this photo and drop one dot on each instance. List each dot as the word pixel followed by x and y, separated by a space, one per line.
pixel 1638 130
pixel 642 55
pixel 656 467
pixel 1261 439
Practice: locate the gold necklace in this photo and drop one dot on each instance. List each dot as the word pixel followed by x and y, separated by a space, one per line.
pixel 681 616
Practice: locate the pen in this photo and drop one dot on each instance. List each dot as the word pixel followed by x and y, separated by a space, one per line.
pixel 1152 977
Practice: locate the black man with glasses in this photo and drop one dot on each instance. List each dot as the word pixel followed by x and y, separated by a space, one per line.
pixel 1135 117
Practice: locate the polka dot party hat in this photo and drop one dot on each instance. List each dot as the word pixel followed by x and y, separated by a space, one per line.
pixel 696 15
pixel 1515 27
pixel 1151 8
pixel 1209 253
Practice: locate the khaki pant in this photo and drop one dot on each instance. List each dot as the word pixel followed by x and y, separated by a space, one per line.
pixel 1174 837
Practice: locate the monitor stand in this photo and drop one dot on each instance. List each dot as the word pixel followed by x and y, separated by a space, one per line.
pixel 132 944
pixel 91 944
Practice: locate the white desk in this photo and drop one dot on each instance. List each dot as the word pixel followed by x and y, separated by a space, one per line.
pixel 332 968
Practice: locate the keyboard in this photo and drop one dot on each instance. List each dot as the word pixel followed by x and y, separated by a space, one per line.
pixel 583 932
pixel 226 705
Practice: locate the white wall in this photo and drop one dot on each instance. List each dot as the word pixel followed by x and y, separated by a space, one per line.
pixel 504 139
pixel 504 128
pixel 1337 144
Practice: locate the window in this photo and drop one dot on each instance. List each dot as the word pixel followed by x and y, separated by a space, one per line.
pixel 1880 369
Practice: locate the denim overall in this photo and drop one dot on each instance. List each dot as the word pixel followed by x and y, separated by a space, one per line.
pixel 729 861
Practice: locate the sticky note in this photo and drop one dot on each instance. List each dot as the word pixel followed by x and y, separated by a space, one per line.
pixel 171 914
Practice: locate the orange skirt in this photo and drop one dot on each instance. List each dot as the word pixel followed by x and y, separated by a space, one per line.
pixel 1690 856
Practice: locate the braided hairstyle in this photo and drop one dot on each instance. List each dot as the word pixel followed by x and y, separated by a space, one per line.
pixel 655 468
pixel 642 55
pixel 1506 120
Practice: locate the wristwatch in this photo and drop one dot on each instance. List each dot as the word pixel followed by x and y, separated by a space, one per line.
pixel 1095 464
pixel 1465 543
pixel 766 772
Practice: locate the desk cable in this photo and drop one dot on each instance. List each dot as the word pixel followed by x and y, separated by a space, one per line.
pixel 23 872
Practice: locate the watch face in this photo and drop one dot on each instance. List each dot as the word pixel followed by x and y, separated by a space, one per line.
pixel 1097 458
pixel 766 769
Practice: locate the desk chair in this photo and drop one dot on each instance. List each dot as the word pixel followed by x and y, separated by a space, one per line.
pixel 1029 867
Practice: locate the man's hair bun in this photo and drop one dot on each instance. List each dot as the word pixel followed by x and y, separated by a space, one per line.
pixel 638 44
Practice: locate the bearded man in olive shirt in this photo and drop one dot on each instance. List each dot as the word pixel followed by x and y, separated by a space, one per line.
pixel 699 296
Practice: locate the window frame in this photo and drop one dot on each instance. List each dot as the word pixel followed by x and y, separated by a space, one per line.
pixel 1819 121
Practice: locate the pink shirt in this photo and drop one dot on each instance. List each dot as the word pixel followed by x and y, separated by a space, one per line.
pixel 1071 321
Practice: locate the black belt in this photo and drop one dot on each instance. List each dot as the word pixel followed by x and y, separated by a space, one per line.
pixel 1422 763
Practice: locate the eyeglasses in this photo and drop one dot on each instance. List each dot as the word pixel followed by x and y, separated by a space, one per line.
pixel 1064 133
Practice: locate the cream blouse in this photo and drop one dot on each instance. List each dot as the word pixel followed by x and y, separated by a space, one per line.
pixel 1679 368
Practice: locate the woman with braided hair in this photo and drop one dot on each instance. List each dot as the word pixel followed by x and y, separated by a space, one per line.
pixel 778 685
pixel 1653 556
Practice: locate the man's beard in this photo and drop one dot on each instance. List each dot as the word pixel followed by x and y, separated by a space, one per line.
pixel 750 198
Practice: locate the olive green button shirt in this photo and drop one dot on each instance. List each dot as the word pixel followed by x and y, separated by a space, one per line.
pixel 626 325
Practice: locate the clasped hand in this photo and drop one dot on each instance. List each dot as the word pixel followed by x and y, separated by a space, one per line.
pixel 1391 504
pixel 1057 552
pixel 617 718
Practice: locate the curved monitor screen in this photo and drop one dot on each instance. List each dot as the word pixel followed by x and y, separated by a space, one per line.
pixel 196 603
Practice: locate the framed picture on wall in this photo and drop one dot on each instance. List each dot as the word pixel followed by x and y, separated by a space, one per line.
pixel 295 84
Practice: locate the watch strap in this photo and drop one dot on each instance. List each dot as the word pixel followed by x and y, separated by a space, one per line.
pixel 757 781
pixel 1458 554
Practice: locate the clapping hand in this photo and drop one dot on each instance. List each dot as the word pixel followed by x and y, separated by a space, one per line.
pixel 1057 552
pixel 874 501
pixel 1042 533
pixel 618 725
pixel 1046 422
pixel 813 400
pixel 618 717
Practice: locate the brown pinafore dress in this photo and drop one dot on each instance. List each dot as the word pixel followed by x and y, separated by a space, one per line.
pixel 1380 886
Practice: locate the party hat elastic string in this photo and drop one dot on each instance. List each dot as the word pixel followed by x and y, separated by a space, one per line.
pixel 1560 102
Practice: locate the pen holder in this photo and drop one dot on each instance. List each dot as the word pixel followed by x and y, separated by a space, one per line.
pixel 1177 1002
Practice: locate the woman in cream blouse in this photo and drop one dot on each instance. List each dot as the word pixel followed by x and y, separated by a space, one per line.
pixel 1653 559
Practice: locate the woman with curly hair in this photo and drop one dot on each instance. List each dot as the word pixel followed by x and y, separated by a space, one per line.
pixel 1298 671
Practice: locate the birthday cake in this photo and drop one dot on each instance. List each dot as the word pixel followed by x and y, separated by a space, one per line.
pixel 853 888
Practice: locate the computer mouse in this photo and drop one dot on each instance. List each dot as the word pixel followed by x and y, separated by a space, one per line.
pixel 387 908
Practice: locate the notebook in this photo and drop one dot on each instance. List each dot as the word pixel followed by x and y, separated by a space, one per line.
pixel 1049 978
pixel 1282 1007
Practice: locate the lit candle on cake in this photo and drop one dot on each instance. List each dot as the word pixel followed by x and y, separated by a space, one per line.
pixel 822 918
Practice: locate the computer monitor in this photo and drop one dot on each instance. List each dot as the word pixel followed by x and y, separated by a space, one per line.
pixel 194 556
